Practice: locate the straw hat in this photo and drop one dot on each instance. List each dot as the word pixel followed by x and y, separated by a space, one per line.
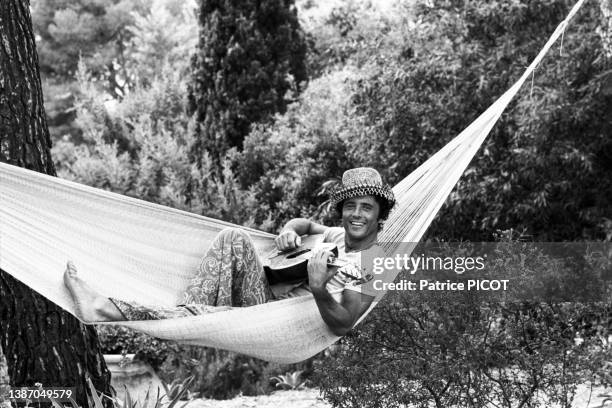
pixel 362 181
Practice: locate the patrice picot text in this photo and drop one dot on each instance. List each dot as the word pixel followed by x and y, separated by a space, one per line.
pixel 412 264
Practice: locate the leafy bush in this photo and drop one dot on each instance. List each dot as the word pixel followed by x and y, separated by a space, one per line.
pixel 452 349
pixel 354 32
pixel 100 35
pixel 414 82
pixel 543 165
pixel 130 149
pixel 139 145
pixel 310 140
pixel 216 373
pixel 121 340
pixel 222 374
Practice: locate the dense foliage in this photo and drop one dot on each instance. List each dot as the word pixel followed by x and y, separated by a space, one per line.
pixel 250 54
pixel 95 32
pixel 468 349
pixel 216 373
pixel 545 169
pixel 388 89
pixel 546 166
pixel 137 145
pixel 122 43
pixel 400 89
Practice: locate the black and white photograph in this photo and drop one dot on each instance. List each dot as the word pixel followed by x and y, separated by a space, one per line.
pixel 306 203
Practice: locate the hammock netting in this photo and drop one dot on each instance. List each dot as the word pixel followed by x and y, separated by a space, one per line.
pixel 138 251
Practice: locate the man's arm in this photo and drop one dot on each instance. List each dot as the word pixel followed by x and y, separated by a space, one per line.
pixel 340 317
pixel 289 236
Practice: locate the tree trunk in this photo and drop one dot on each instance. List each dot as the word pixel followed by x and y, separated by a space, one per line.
pixel 41 342
pixel 4 382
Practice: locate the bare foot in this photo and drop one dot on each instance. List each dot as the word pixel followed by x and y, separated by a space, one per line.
pixel 90 305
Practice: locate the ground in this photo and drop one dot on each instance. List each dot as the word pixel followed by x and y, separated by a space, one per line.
pixel 308 398
pixel 139 377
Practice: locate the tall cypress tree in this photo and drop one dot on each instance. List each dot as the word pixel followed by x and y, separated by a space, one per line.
pixel 249 55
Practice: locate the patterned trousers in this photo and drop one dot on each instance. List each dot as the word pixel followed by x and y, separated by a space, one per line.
pixel 230 274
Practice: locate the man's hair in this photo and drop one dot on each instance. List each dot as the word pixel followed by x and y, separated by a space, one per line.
pixel 385 208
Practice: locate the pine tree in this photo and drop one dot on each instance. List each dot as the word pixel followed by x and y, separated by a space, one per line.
pixel 249 55
pixel 41 342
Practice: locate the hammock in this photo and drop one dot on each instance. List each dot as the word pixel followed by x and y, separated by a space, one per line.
pixel 136 250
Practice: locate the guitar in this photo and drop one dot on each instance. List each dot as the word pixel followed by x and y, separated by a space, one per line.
pixel 291 266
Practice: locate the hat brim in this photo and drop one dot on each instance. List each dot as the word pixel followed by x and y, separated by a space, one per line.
pixel 344 193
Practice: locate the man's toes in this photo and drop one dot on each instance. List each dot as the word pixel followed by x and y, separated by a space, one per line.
pixel 71 269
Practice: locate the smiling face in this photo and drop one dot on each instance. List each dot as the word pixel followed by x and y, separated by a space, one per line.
pixel 360 219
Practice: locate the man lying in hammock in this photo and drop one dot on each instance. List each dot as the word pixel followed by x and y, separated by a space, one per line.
pixel 231 273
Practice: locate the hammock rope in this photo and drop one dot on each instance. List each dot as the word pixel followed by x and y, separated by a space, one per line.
pixel 139 251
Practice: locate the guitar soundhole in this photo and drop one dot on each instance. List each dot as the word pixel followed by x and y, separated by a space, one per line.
pixel 298 253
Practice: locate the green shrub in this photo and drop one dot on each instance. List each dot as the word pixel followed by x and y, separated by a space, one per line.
pixel 285 164
pixel 455 349
pixel 222 374
pixel 216 374
pixel 140 146
pixel 545 166
pixel 121 340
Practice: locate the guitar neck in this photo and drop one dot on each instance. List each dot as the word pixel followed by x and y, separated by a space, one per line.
pixel 337 263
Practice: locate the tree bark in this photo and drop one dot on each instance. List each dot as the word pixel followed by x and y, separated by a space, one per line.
pixel 41 342
pixel 4 382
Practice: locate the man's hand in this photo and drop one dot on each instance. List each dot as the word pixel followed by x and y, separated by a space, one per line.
pixel 339 317
pixel 287 240
pixel 318 271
